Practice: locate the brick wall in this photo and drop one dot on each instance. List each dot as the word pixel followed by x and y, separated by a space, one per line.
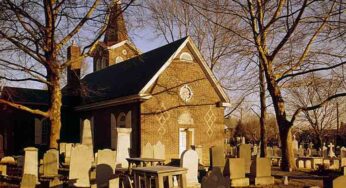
pixel 160 114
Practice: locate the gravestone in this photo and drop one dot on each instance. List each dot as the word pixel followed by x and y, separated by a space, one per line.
pixel 237 172
pixel 31 162
pixel 301 151
pixel 300 164
pixel 81 160
pixel 28 181
pixel 270 152
pixel 295 146
pixel 215 179
pixel 316 161
pixel 159 151
pixel 340 181
pixel 324 150
pixel 308 152
pixel 68 148
pixel 243 141
pixel 261 168
pixel 217 157
pixel 343 152
pixel 335 165
pixel 105 167
pixel 326 163
pixel 56 183
pixel 331 153
pixel 51 163
pixel 308 164
pixel 148 151
pixel 189 160
pixel 87 136
pixel 8 160
pixel 343 162
pixel 123 146
pixel 245 153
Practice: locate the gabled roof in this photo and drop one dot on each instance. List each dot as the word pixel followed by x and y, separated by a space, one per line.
pixel 135 76
pixel 128 77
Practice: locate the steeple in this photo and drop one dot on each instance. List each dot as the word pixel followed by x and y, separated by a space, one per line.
pixel 116 31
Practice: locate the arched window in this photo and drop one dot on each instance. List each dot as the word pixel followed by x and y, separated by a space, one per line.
pixel 186 56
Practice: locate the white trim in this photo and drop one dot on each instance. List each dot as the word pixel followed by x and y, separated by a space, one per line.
pixel 209 73
pixel 224 104
pixel 200 60
pixel 165 65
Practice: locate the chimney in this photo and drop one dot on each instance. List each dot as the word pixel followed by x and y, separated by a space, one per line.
pixel 73 70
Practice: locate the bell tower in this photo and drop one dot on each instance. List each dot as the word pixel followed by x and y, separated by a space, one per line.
pixel 116 46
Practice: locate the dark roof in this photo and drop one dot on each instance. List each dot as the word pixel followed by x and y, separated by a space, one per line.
pixel 28 96
pixel 128 77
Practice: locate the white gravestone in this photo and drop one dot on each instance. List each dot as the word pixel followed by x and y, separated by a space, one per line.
pixel 123 146
pixel 245 153
pixel 82 158
pixel 331 153
pixel 189 160
pixel 105 167
pixel 31 161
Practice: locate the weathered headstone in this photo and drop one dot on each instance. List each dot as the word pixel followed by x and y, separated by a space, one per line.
pixel 215 179
pixel 123 146
pixel 148 151
pixel 28 181
pixel 261 168
pixel 340 181
pixel 87 136
pixel 159 151
pixel 326 163
pixel 335 165
pixel 51 163
pixel 295 145
pixel 308 152
pixel 189 160
pixel 62 148
pixel 31 162
pixel 343 162
pixel 301 151
pixel 245 153
pixel 324 150
pixel 81 161
pixel 308 164
pixel 343 152
pixel 237 172
pixel 217 157
pixel 270 152
pixel 300 164
pixel 105 167
pixel 55 183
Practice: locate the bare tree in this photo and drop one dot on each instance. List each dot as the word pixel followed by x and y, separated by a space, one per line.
pixel 292 38
pixel 34 36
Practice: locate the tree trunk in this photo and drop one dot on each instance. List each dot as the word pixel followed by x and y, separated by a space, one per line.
pixel 55 112
pixel 287 160
pixel 263 112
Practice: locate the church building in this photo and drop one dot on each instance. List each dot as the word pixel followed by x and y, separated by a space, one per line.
pixel 167 95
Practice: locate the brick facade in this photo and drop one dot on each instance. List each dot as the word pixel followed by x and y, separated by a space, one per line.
pixel 160 115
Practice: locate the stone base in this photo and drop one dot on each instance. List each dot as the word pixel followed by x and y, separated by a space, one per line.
pixel 240 182
pixel 269 180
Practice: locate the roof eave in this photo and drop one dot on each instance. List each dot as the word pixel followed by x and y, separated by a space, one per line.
pixel 114 102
